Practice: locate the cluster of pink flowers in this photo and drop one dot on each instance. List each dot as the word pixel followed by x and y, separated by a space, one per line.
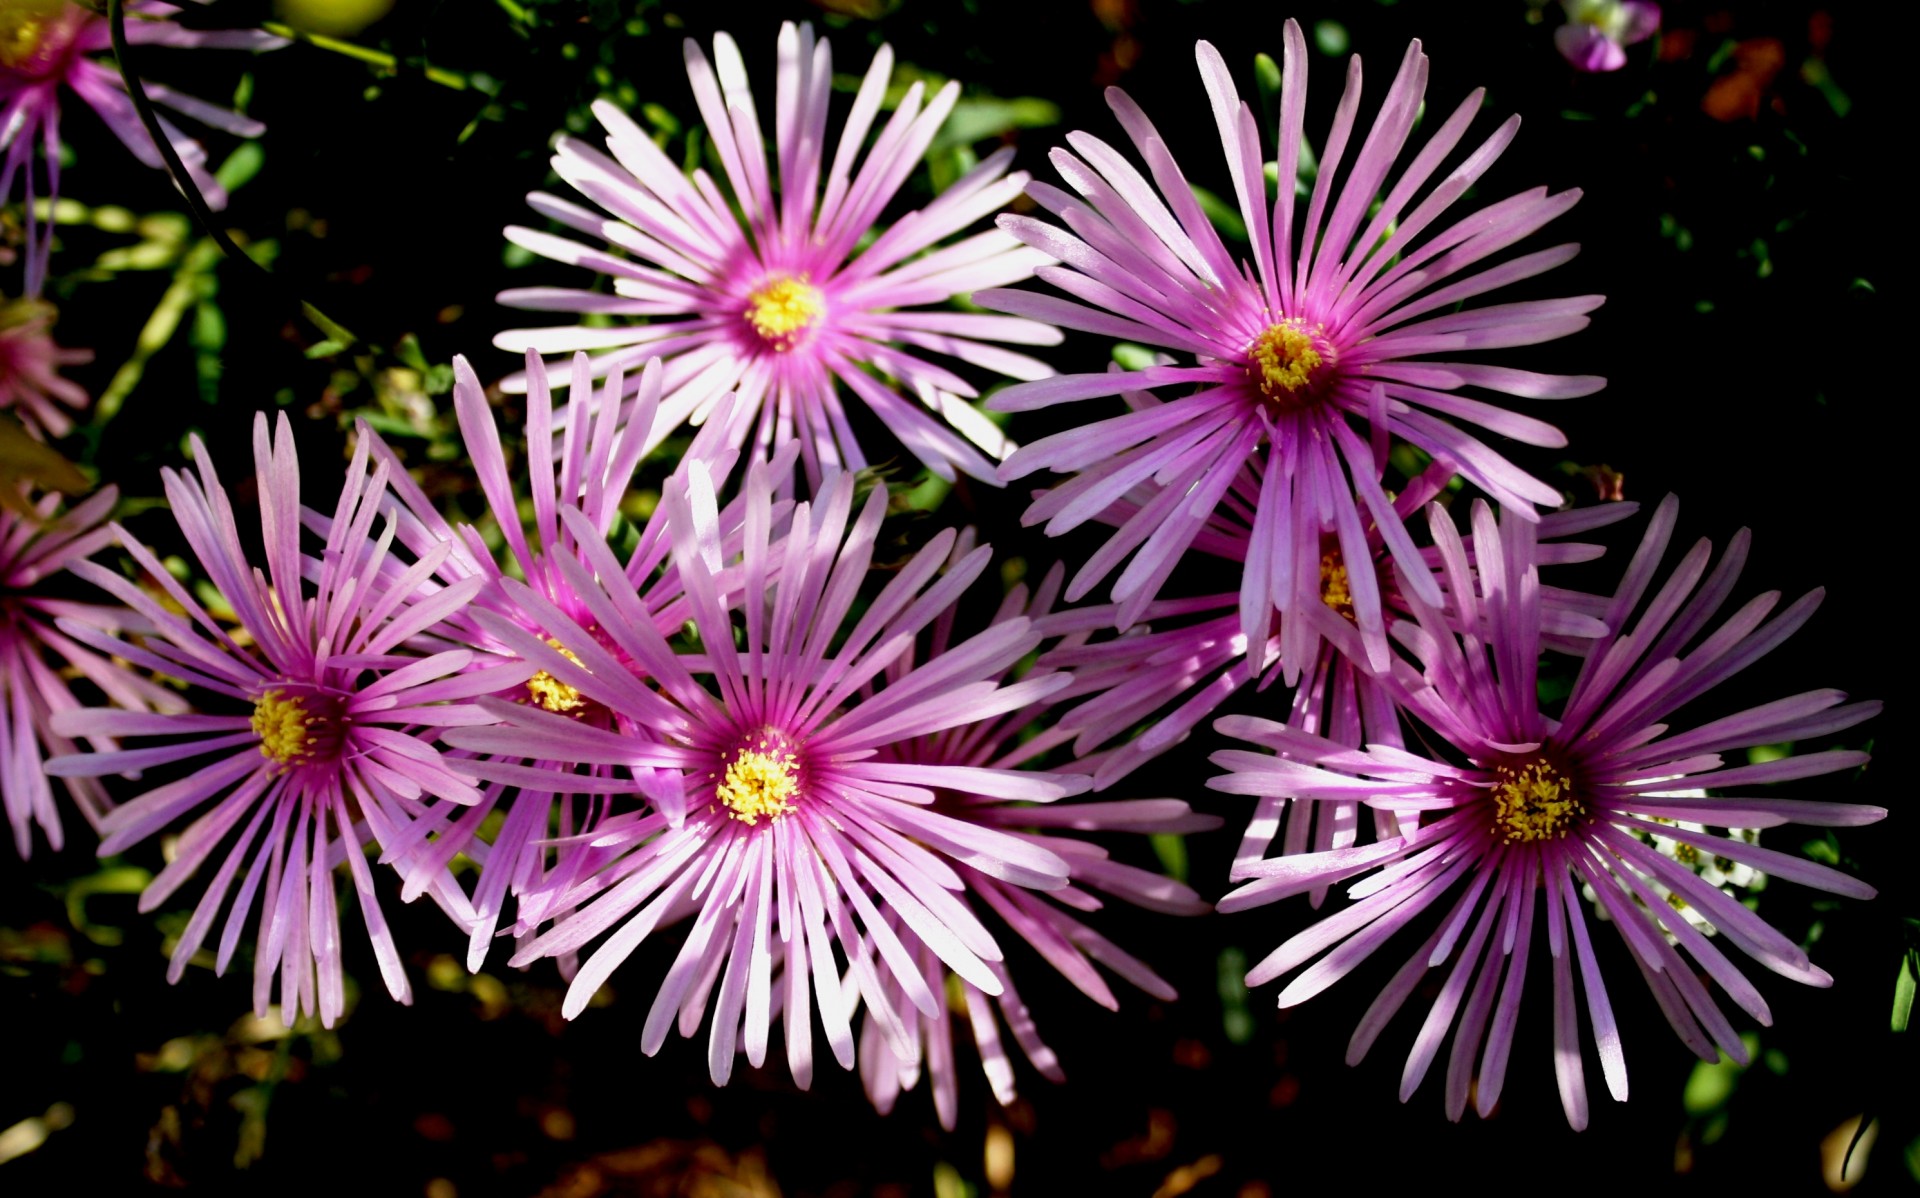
pixel 840 789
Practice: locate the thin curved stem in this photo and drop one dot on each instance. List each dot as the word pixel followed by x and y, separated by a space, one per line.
pixel 177 171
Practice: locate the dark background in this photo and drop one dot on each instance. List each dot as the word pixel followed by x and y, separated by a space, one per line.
pixel 1756 394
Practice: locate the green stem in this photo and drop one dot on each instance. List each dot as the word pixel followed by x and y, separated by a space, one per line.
pixel 378 58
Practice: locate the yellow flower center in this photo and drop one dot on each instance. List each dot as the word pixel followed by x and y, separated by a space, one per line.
pixel 760 781
pixel 551 693
pixel 1534 802
pixel 1283 360
pixel 783 310
pixel 23 23
pixel 289 732
pixel 1335 587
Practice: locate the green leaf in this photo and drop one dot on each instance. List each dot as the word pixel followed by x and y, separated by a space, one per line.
pixel 661 118
pixel 1267 73
pixel 241 166
pixel 1171 848
pixel 1815 72
pixel 1709 1086
pixel 208 337
pixel 1224 216
pixel 1903 987
pixel 114 879
pixel 927 495
pixel 1825 850
pixel 1235 1019
pixel 979 118
pixel 622 537
pixel 408 351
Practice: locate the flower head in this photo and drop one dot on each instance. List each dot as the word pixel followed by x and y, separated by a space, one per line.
pixel 1545 804
pixel 787 814
pixel 30 383
pixel 1340 334
pixel 581 455
pixel 1598 32
pixel 45 45
pixel 309 750
pixel 794 308
pixel 40 663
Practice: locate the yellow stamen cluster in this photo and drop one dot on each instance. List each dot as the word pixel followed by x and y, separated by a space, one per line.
pixel 23 27
pixel 1534 802
pixel 286 728
pixel 763 781
pixel 783 310
pixel 1282 361
pixel 551 693
pixel 1336 589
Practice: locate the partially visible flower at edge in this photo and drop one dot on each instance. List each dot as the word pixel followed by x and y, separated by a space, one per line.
pixel 1597 32
pixel 789 308
pixel 30 383
pixel 40 663
pixel 44 45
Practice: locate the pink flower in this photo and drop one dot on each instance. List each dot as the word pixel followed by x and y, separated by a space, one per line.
pixel 582 456
pixel 40 663
pixel 310 750
pixel 790 308
pixel 1546 803
pixel 1341 333
pixel 1597 32
pixel 787 816
pixel 30 383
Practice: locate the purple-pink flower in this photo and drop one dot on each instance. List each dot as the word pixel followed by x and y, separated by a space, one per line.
pixel 786 816
pixel 40 664
pixel 30 383
pixel 1340 334
pixel 1546 803
pixel 583 456
pixel 795 308
pixel 1598 32
pixel 44 46
pixel 308 751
